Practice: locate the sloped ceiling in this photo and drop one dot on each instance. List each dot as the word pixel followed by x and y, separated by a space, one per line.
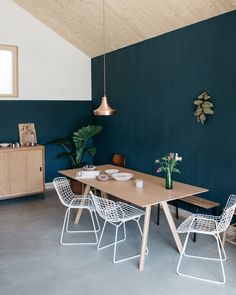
pixel 127 21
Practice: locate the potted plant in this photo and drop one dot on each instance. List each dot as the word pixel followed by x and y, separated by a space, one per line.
pixel 77 147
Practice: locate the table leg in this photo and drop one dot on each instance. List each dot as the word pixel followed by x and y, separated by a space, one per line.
pixel 145 237
pixel 79 212
pixel 172 226
pixel 104 195
pixel 223 238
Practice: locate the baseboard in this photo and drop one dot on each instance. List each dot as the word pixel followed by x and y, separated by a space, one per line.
pixel 49 186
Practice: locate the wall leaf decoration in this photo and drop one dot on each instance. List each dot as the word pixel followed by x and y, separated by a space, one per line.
pixel 203 107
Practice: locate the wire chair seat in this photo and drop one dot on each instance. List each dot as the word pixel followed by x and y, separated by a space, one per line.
pixel 208 225
pixel 84 202
pixel 200 223
pixel 117 214
pixel 118 211
pixel 129 212
pixel 73 201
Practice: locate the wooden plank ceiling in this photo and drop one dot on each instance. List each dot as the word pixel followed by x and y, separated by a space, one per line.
pixel 127 21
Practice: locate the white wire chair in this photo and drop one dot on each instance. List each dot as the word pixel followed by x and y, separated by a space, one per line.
pixel 117 214
pixel 73 201
pixel 208 225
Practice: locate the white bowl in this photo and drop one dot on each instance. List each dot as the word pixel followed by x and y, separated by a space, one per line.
pixel 122 176
pixel 4 145
pixel 89 168
pixel 111 171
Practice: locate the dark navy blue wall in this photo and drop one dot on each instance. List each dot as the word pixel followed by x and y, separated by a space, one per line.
pixel 53 119
pixel 153 84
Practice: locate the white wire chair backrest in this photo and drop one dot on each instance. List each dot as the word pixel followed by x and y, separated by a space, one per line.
pixel 107 209
pixel 63 190
pixel 227 215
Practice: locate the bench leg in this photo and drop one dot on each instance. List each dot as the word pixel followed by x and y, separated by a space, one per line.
pixel 158 214
pixel 177 210
pixel 214 211
pixel 194 234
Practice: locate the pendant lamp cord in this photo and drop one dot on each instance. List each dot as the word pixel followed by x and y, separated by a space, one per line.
pixel 104 47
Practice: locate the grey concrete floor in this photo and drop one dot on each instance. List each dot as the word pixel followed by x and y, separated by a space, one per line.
pixel 33 261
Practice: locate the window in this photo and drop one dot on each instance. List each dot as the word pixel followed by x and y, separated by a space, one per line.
pixel 8 71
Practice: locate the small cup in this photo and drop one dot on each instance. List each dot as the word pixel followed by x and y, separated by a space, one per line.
pixel 139 183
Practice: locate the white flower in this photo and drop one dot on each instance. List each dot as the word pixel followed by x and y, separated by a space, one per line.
pixel 178 158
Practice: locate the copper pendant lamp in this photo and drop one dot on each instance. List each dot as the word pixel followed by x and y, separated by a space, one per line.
pixel 104 108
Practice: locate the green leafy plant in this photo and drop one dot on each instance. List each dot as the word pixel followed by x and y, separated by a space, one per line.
pixel 76 147
pixel 204 107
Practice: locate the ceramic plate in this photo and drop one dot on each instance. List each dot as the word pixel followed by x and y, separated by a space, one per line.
pixel 122 176
pixel 4 144
pixel 111 171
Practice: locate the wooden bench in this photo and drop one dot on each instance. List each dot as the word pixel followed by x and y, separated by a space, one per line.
pixel 196 201
pixel 200 202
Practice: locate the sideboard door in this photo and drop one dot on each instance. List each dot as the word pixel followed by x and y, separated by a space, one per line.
pixel 21 171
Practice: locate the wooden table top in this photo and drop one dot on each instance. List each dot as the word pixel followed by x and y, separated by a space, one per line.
pixel 152 193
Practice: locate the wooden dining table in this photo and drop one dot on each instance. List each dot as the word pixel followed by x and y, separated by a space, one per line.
pixel 152 193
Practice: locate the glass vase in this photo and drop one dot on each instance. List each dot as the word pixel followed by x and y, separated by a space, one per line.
pixel 169 181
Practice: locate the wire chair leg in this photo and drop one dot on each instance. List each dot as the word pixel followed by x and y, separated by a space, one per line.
pixel 94 227
pixel 124 226
pixel 96 217
pixel 100 239
pixel 222 248
pixel 207 258
pixel 114 253
pixel 182 254
pixel 63 227
pixel 216 259
pixel 67 222
pixel 110 244
pixel 221 261
pixel 82 231
pixel 141 232
pixel 116 242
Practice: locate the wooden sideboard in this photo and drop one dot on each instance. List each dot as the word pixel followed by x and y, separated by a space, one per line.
pixel 21 171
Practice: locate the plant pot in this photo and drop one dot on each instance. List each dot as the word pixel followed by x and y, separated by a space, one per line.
pixel 169 181
pixel 76 187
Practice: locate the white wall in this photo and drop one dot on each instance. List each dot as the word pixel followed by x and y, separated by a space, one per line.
pixel 50 68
